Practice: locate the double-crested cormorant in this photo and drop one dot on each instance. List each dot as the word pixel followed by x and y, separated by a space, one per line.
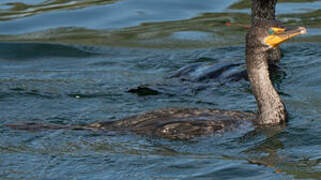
pixel 186 123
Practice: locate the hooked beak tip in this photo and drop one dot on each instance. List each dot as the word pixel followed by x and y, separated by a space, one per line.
pixel 303 30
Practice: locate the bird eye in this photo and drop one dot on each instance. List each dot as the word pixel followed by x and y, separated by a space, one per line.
pixel 271 31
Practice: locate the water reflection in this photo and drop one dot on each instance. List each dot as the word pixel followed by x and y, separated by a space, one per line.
pixel 15 10
pixel 272 153
pixel 207 30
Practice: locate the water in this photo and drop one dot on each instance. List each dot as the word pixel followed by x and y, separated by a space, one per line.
pixel 72 62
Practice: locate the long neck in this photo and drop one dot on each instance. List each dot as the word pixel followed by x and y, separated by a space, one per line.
pixel 263 9
pixel 270 105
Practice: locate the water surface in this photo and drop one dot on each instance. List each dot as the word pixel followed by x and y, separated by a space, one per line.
pixel 72 62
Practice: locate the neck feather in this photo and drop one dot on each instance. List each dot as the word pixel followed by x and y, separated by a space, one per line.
pixel 271 108
pixel 263 9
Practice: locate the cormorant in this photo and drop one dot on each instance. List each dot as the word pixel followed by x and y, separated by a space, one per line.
pixel 186 123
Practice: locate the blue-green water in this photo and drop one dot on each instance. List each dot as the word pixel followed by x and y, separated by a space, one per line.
pixel 72 62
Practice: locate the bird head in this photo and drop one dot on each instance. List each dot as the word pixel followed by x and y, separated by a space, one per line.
pixel 270 34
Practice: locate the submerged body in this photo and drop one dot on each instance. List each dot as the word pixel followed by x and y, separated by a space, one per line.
pixel 178 123
pixel 170 123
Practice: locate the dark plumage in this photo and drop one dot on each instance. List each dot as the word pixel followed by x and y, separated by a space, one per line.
pixel 270 105
pixel 265 9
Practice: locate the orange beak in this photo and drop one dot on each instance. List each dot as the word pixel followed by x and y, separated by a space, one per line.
pixel 280 35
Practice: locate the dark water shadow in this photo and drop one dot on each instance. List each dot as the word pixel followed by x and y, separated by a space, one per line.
pixel 25 51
